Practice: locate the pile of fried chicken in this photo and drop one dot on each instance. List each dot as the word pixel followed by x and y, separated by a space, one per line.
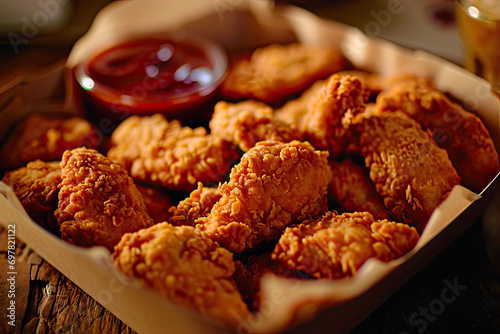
pixel 352 168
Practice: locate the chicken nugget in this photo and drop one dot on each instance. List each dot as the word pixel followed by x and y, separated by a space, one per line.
pixel 185 266
pixel 276 72
pixel 46 138
pixel 246 123
pixel 461 133
pixel 274 185
pixel 36 187
pixel 411 173
pixel 336 246
pixel 158 152
pixel 98 200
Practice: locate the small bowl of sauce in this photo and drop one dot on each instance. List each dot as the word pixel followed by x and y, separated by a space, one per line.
pixel 174 74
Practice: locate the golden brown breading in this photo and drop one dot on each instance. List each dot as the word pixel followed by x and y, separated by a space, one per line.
pixel 411 173
pixel 336 246
pixel 461 133
pixel 373 83
pixel 274 185
pixel 98 201
pixel 277 71
pixel 295 111
pixel 248 275
pixel 157 202
pixel 198 204
pixel 46 138
pixel 36 187
pixel 184 265
pixel 352 190
pixel 246 123
pixel 156 151
pixel 330 114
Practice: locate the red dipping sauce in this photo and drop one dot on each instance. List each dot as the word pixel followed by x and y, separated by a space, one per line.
pixel 173 75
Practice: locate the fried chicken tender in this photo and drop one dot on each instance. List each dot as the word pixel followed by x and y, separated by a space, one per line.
pixel 352 190
pixel 158 152
pixel 157 202
pixel 327 123
pixel 185 266
pixel 461 133
pixel 274 185
pixel 295 111
pixel 36 187
pixel 277 71
pixel 411 173
pixel 336 246
pixel 373 83
pixel 246 123
pixel 41 137
pixel 248 275
pixel 98 201
pixel 199 204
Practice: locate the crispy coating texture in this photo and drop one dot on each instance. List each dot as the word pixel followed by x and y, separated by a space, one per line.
pixel 199 204
pixel 157 202
pixel 411 173
pixel 373 83
pixel 295 111
pixel 461 133
pixel 274 185
pixel 277 71
pixel 46 138
pixel 336 246
pixel 330 114
pixel 36 187
pixel 156 151
pixel 352 190
pixel 246 123
pixel 249 273
pixel 98 201
pixel 185 266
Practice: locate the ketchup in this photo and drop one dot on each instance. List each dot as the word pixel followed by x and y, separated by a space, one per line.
pixel 162 68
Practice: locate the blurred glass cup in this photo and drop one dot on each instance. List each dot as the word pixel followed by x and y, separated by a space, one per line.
pixel 479 25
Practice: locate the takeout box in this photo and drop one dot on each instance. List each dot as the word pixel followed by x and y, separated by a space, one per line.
pixel 334 306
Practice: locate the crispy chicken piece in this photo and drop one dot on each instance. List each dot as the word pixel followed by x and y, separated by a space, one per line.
pixel 330 114
pixel 248 275
pixel 277 71
pixel 411 173
pixel 156 151
pixel 336 246
pixel 98 201
pixel 199 204
pixel 46 138
pixel 352 190
pixel 246 123
pixel 36 187
pixel 157 202
pixel 461 133
pixel 295 111
pixel 273 186
pixel 184 265
pixel 373 83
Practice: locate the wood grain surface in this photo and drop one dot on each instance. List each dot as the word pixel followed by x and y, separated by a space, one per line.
pixel 48 302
